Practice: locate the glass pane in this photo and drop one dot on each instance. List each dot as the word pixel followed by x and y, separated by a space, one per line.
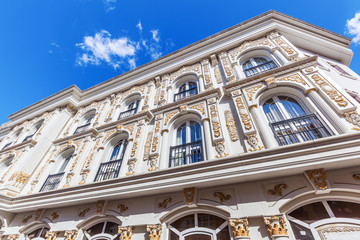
pixel 260 60
pixel 173 236
pixel 182 87
pixel 223 234
pixel 209 221
pixel 181 135
pixel 195 131
pixel 198 237
pixel 300 232
pixel 96 229
pixel 115 152
pixel 111 228
pixel 292 106
pixel 272 112
pixel 184 223
pixel 64 164
pixel 247 65
pixel 192 85
pixel 345 209
pixel 310 213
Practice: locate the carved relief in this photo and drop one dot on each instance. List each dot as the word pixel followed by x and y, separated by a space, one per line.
pixel 277 189
pixel 329 90
pixel 108 134
pixel 20 178
pixel 153 163
pixel 164 203
pixel 189 194
pixel 220 149
pixel 147 145
pixel 154 231
pixel 71 235
pixel 240 228
pixel 51 235
pixel 155 143
pixel 54 216
pixel 83 212
pixel 125 233
pixel 169 116
pixel 293 78
pixel 318 178
pixel 248 44
pixel 37 214
pixel 254 143
pixel 86 165
pixel 215 121
pixel 354 118
pixel 122 208
pixel 251 91
pixel 99 206
pixel 200 107
pixel 13 237
pixel 222 197
pixel 227 67
pixel 26 219
pixel 231 126
pixel 186 69
pixel 131 167
pixel 130 128
pixel 245 118
pixel 284 46
pixel 276 226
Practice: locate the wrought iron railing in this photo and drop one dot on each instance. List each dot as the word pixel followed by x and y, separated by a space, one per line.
pixel 186 154
pixel 82 128
pixel 185 94
pixel 299 129
pixel 108 170
pixel 52 182
pixel 127 113
pixel 260 68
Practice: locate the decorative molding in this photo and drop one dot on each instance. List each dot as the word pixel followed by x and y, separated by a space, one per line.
pixel 131 167
pixel 277 189
pixel 122 208
pixel 153 163
pixel 253 141
pixel 231 126
pixel 51 235
pixel 220 149
pixel 54 216
pixel 251 91
pixel 247 45
pixel 125 232
pixel 190 195
pixel 100 206
pixel 168 116
pixel 240 228
pixel 284 46
pixel 293 78
pixel 70 234
pixel 318 178
pixel 83 212
pixel 38 214
pixel 215 121
pixel 276 226
pixel 195 68
pixel 353 117
pixel 356 176
pixel 26 219
pixel 200 107
pixel 222 197
pixel 154 231
pixel 245 118
pixel 147 145
pixel 164 203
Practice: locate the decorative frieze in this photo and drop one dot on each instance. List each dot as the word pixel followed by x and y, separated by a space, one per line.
pixel 240 228
pixel 293 78
pixel 195 68
pixel 215 121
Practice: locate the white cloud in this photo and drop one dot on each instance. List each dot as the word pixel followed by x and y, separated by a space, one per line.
pixel 155 35
pixel 109 5
pixel 103 48
pixel 55 48
pixel 353 27
pixel 139 26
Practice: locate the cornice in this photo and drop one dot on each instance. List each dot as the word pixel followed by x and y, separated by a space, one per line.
pixel 30 142
pixel 233 169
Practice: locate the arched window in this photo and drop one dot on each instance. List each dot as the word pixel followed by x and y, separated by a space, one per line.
pixel 32 131
pixel 188 147
pixel 111 168
pixel 38 234
pixel 186 90
pixel 257 65
pixel 199 226
pixel 85 123
pixel 131 109
pixel 12 139
pixel 315 220
pixel 53 180
pixel 102 231
pixel 5 164
pixel 292 123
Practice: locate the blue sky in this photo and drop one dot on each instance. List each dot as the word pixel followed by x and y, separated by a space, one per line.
pixel 48 45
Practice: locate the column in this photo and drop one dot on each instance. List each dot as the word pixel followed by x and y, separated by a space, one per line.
pixel 238 71
pixel 164 155
pixel 264 129
pixel 340 124
pixel 208 142
pixel 170 96
pixel 201 84
pixel 280 56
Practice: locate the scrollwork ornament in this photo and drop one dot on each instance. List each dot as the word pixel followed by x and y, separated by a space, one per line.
pixel 154 231
pixel 13 237
pixel 215 121
pixel 189 194
pixel 147 145
pixel 240 228
pixel 276 226
pixel 318 178
pixel 131 167
pixel 222 196
pixel 277 191
pixel 70 234
pixel 231 126
pixel 153 162
pixel 51 235
pixel 125 232
pixel 254 143
pixel 354 118
pixel 99 206
pixel 245 118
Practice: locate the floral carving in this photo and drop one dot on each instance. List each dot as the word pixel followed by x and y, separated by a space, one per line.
pixel 253 142
pixel 108 134
pixel 329 90
pixel 131 167
pixel 293 78
pixel 240 228
pixel 215 121
pixel 186 69
pixel 147 145
pixel 125 233
pixel 222 197
pixel 155 143
pixel 200 107
pixel 231 126
pixel 354 118
pixel 122 208
pixel 38 214
pixel 83 212
pixel 248 44
pixel 276 226
pixel 189 194
pixel 252 91
pixel 243 113
pixel 153 163
pixel 71 234
pixel 318 178
pixel 227 66
pixel 220 149
pixel 164 203
pixel 154 231
pixel 284 45
pixel 130 128
pixel 277 189
pixel 51 235
pixel 13 237
pixel 99 206
pixel 54 216
pixel 169 116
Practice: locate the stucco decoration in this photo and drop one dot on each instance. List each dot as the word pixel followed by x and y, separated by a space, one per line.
pixel 169 116
pixel 215 65
pixel 195 69
pixel 296 78
pixel 253 141
pixel 122 208
pixel 153 162
pixel 19 178
pixel 207 75
pixel 85 169
pixel 51 235
pixel 100 206
pixel 190 195
pixel 125 232
pixel 70 235
pixel 279 40
pixel 236 52
pixel 154 231
pixel 231 126
pixel 147 146
pixel 215 123
pixel 220 149
pixel 338 231
pixel 240 228
pixel 250 92
pixel 83 212
pixel 276 226
pixel 229 74
pixel 164 203
pixel 13 237
pixel 131 167
pixel 38 214
pixel 318 179
pixel 277 191
pixel 135 89
pixel 199 107
pixel 222 196
pixel 353 117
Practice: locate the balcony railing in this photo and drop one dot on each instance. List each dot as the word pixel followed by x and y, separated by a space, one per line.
pixel 260 68
pixel 108 170
pixel 82 128
pixel 299 129
pixel 186 154
pixel 127 113
pixel 185 94
pixel 52 182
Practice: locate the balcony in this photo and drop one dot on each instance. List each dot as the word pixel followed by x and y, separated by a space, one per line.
pixel 186 154
pixel 299 129
pixel 260 68
pixel 52 182
pixel 185 94
pixel 108 170
pixel 82 128
pixel 127 113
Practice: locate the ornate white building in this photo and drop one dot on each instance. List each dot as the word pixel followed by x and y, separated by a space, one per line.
pixel 252 133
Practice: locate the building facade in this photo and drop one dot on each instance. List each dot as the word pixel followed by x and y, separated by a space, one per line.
pixel 252 133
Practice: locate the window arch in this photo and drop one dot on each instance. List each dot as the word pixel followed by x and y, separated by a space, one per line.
pixel 312 221
pixel 292 122
pixel 256 65
pixel 110 168
pixel 12 139
pixel 33 130
pixel 6 163
pixel 58 171
pixel 38 234
pixel 85 122
pixel 188 144
pixel 103 230
pixel 199 226
pixel 185 90
pixel 131 108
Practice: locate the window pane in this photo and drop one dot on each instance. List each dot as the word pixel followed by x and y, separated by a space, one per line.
pixel 272 112
pixel 184 223
pixel 310 213
pixel 198 237
pixel 247 65
pixel 210 221
pixel 115 152
pixel 96 229
pixel 173 236
pixel 345 209
pixel 182 87
pixel 181 135
pixel 292 106
pixel 300 232
pixel 260 60
pixel 195 131
pixel 223 234
pixel 111 228
pixel 192 85
pixel 64 164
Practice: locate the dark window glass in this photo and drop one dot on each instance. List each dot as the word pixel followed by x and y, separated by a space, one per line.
pixel 96 229
pixel 223 234
pixel 198 237
pixel 209 221
pixel 35 233
pixel 345 209
pixel 173 236
pixel 310 213
pixel 300 232
pixel 184 223
pixel 44 231
pixel 111 228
